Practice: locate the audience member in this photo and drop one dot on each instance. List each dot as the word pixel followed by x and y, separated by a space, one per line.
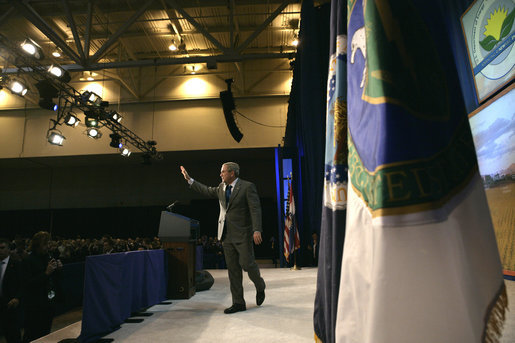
pixel 10 294
pixel 41 284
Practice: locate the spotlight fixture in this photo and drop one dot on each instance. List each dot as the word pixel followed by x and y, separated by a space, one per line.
pixel 87 76
pixel 56 53
pixel 17 87
pixel 295 40
pixel 125 152
pixel 71 119
pixel 93 133
pixel 55 137
pixel 115 141
pixel 48 104
pixel 116 116
pixel 92 97
pixel 172 46
pixel 32 48
pixel 91 122
pixel 60 73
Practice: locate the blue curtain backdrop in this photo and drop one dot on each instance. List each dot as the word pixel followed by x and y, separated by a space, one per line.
pixel 305 128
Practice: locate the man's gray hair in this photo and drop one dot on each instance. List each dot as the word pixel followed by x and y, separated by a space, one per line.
pixel 233 166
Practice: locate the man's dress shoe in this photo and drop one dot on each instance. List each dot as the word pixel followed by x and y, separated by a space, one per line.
pixel 235 308
pixel 260 297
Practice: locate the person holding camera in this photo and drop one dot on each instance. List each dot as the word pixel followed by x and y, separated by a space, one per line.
pixel 41 281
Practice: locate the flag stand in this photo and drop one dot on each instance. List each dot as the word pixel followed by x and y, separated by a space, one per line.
pixel 295 267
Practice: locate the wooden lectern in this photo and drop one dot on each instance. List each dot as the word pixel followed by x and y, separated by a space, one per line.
pixel 178 235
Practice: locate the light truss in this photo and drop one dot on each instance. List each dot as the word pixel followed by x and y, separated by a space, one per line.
pixel 70 98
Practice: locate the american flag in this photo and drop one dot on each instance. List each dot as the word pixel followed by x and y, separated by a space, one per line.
pixel 291 233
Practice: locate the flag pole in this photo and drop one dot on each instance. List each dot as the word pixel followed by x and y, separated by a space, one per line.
pixel 295 267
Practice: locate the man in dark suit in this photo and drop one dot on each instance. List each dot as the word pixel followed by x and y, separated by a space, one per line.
pixel 239 224
pixel 40 284
pixel 10 294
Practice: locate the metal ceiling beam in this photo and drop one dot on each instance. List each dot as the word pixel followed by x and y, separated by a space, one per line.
pixel 6 14
pixel 87 34
pixel 168 61
pixel 193 22
pixel 263 25
pixel 29 13
pixel 120 31
pixel 174 61
pixel 73 27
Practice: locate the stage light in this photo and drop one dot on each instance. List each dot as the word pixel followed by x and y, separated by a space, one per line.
pixel 48 104
pixel 295 40
pixel 91 122
pixel 93 133
pixel 32 48
pixel 55 137
pixel 60 73
pixel 71 120
pixel 47 90
pixel 56 53
pixel 115 141
pixel 17 87
pixel 116 116
pixel 125 152
pixel 92 97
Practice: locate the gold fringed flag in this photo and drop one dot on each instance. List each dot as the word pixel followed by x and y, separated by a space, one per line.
pixel 420 260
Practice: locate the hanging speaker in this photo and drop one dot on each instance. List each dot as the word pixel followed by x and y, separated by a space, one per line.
pixel 228 106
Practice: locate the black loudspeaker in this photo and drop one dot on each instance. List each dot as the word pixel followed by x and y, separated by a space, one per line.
pixel 228 106
pixel 181 269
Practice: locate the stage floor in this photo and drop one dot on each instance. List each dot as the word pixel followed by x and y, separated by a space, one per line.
pixel 285 316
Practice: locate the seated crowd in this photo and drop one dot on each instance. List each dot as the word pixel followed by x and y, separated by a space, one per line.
pixel 27 300
pixel 76 250
pixel 30 278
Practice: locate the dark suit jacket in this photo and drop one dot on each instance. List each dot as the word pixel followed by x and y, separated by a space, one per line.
pixel 12 282
pixel 242 215
pixel 37 283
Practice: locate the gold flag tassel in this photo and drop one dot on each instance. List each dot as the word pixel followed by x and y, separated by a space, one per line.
pixel 495 317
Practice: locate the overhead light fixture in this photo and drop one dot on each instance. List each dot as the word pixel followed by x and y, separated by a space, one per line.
pixel 295 40
pixel 91 97
pixel 91 122
pixel 87 76
pixel 55 137
pixel 17 87
pixel 125 152
pixel 32 48
pixel 93 132
pixel 71 119
pixel 56 53
pixel 172 46
pixel 116 116
pixel 60 73
pixel 192 68
pixel 115 141
pixel 48 104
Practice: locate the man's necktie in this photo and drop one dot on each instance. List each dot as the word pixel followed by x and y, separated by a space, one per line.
pixel 227 194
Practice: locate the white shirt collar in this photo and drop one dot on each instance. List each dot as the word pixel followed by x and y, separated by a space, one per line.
pixel 232 183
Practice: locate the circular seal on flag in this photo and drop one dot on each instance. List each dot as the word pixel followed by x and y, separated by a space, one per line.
pixel 492 37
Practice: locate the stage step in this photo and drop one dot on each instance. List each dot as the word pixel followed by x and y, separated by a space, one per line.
pixel 266 263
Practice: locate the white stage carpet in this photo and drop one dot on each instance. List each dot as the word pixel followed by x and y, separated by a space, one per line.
pixel 285 316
